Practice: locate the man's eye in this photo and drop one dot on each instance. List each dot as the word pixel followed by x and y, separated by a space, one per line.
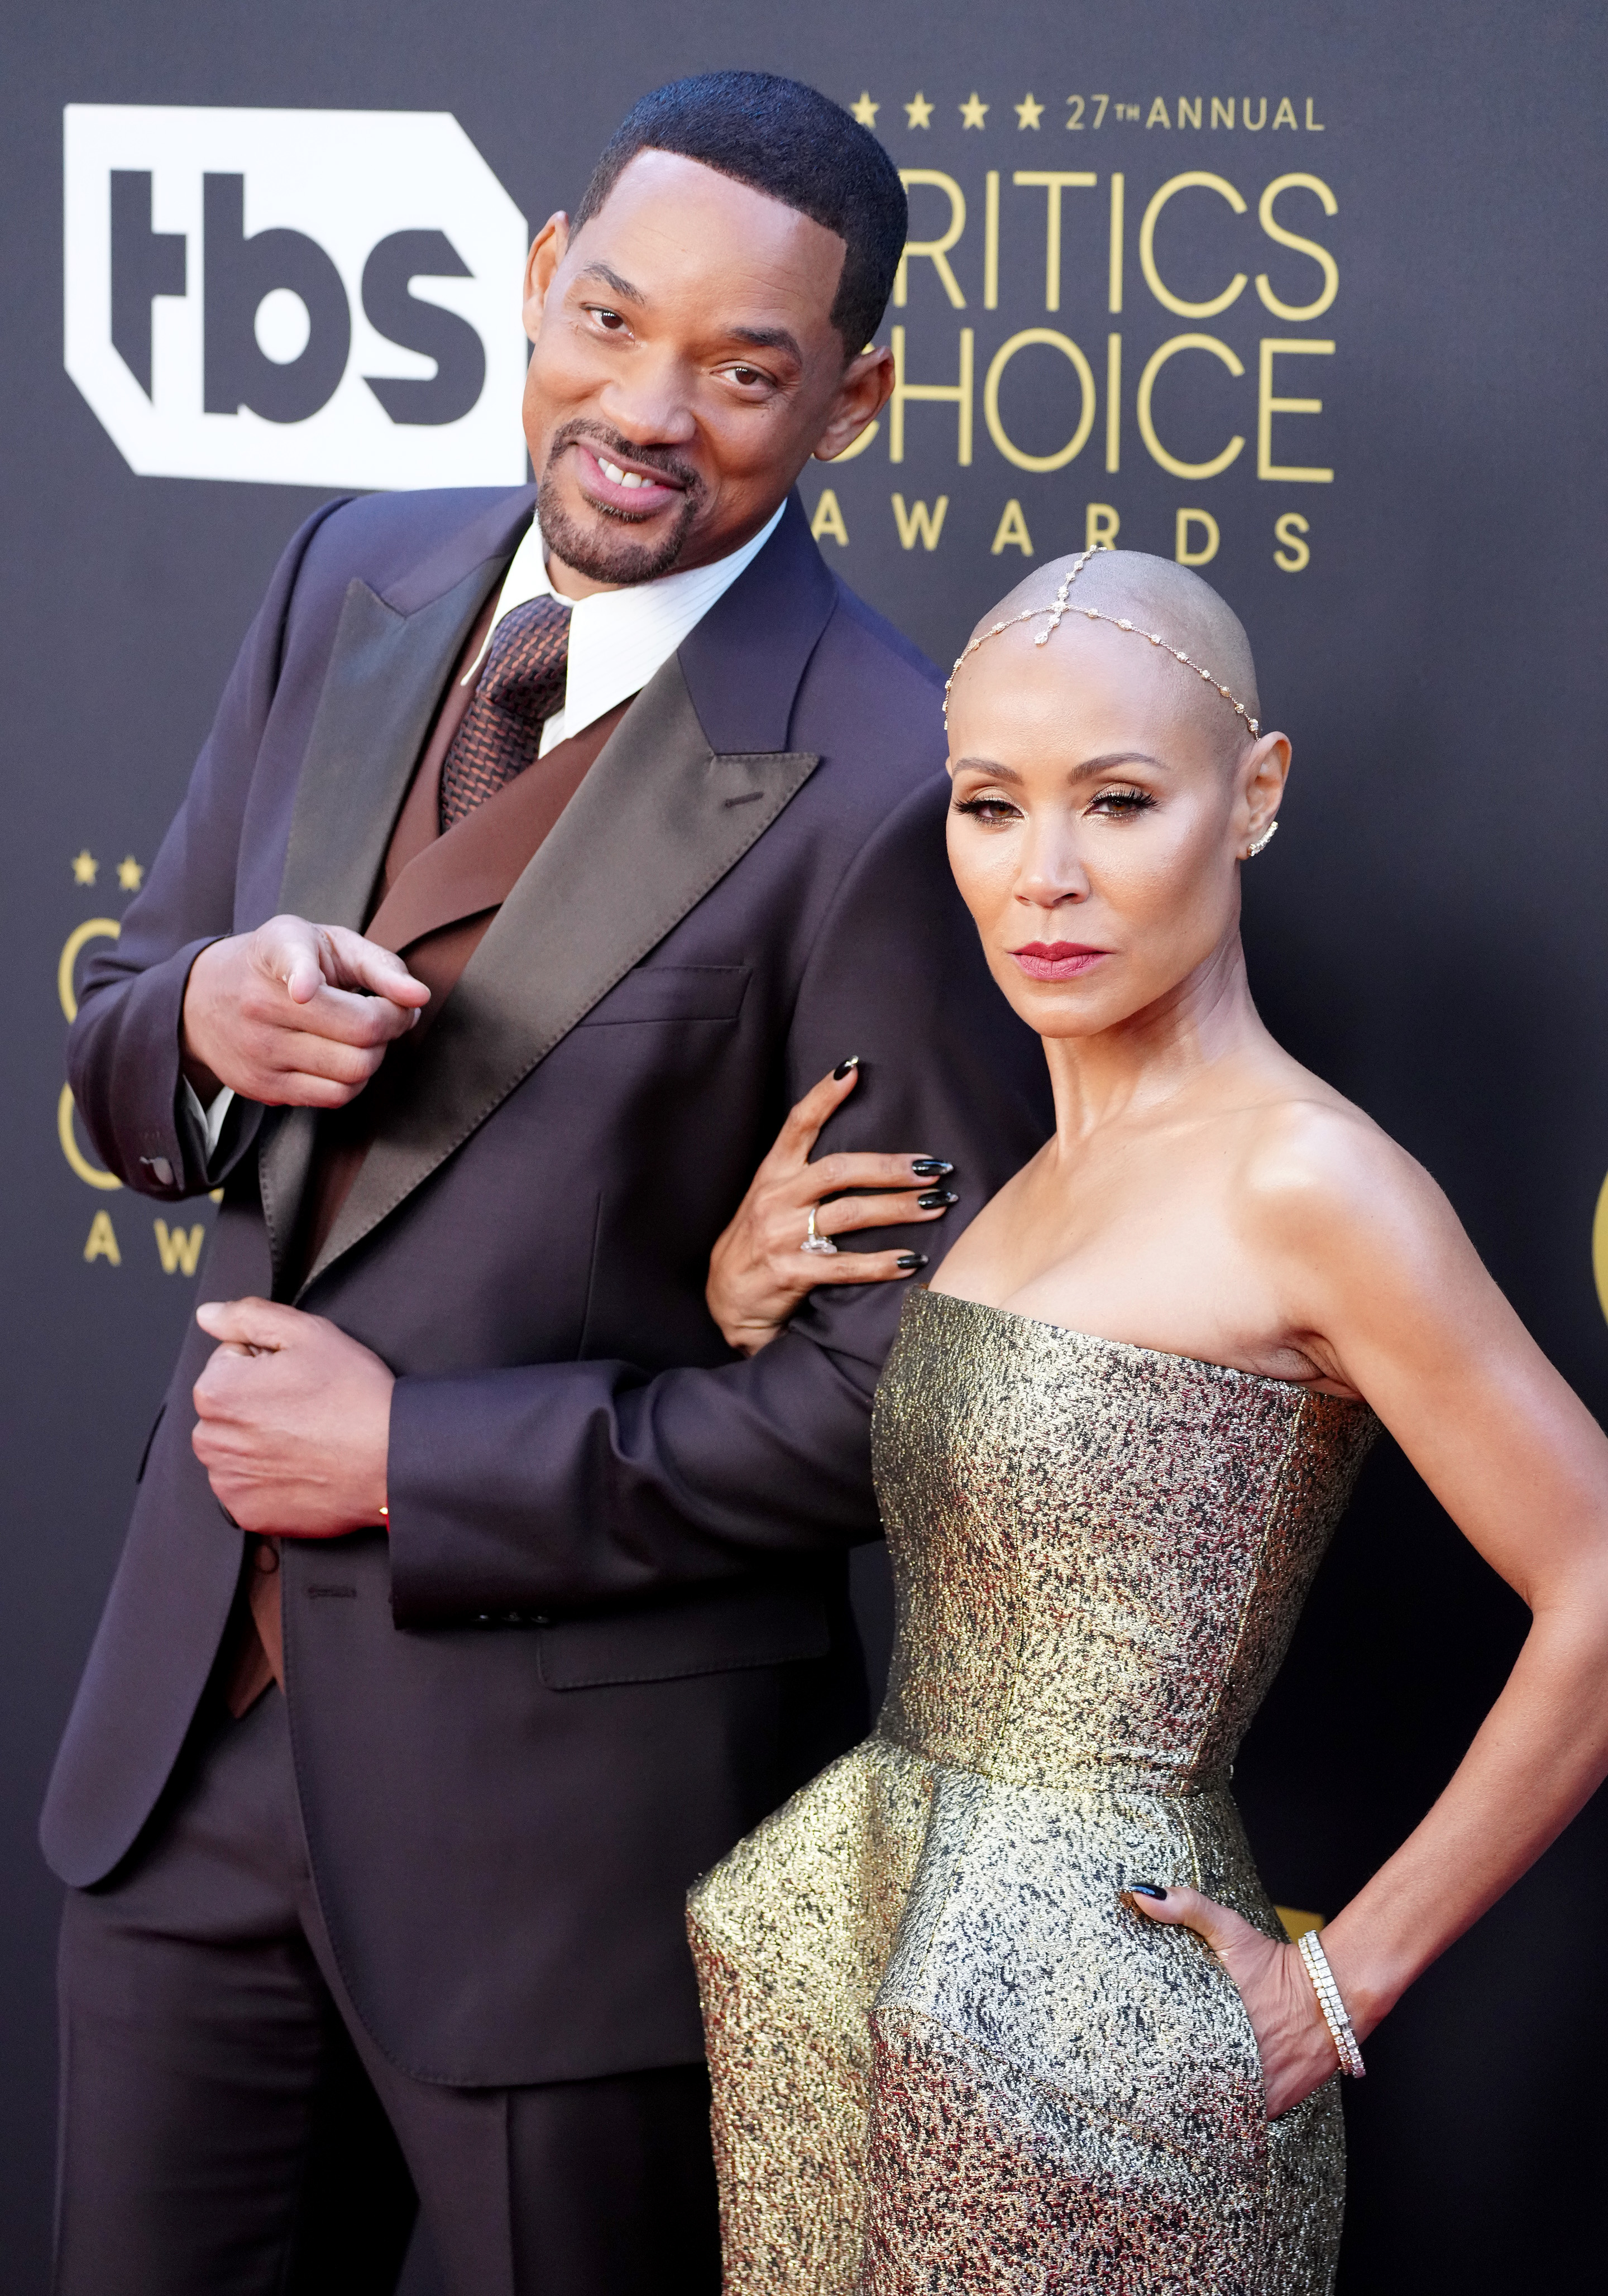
pixel 746 375
pixel 612 320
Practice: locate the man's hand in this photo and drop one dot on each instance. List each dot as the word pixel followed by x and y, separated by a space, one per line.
pixel 294 1014
pixel 294 1424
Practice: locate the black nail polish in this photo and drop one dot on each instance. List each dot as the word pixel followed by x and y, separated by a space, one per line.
pixel 930 1167
pixel 843 1067
pixel 937 1199
pixel 1146 1889
pixel 911 1260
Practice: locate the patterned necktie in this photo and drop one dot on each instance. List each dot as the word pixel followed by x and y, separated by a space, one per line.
pixel 521 685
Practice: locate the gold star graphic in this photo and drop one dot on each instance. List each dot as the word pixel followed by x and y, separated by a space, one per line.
pixel 920 112
pixel 864 110
pixel 130 875
pixel 971 110
pixel 1027 112
pixel 84 866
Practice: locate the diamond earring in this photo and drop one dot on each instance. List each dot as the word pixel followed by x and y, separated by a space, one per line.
pixel 1263 840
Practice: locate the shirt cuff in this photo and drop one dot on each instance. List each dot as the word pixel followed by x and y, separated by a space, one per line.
pixel 209 1121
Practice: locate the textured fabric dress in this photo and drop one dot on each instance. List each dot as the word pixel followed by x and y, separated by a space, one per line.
pixel 944 2055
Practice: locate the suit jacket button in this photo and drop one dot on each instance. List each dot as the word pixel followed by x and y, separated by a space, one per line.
pixel 159 1169
pixel 540 1618
pixel 483 1618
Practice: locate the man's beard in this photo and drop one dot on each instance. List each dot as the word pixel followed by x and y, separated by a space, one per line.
pixel 613 554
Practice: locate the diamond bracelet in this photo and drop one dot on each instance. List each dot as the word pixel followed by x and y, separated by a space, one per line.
pixel 1315 1961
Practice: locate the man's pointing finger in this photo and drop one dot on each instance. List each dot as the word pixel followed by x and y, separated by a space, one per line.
pixel 363 964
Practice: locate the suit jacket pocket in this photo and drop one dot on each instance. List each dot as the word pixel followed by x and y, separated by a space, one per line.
pixel 712 1632
pixel 672 992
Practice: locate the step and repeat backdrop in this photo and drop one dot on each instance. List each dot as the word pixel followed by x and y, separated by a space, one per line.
pixel 1307 297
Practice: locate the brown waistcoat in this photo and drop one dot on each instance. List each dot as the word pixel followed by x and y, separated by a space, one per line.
pixel 438 897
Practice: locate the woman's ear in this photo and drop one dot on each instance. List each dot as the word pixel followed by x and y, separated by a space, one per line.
pixel 1263 774
pixel 548 250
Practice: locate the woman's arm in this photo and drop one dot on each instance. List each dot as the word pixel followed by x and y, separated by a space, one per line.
pixel 1384 1292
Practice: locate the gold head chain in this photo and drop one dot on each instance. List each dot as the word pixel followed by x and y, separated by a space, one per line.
pixel 1091 614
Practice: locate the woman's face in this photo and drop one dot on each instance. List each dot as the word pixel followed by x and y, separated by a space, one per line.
pixel 1099 811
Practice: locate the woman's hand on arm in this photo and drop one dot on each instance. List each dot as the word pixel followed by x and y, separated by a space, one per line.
pixel 759 1270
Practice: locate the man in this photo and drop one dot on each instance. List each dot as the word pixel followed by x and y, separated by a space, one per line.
pixel 530 870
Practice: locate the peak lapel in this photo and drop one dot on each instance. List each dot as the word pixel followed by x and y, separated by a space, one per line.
pixel 743 661
pixel 661 810
pixel 386 672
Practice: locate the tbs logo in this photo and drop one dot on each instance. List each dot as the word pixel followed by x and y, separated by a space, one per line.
pixel 323 299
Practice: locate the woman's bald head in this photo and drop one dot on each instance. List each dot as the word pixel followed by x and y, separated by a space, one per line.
pixel 1154 596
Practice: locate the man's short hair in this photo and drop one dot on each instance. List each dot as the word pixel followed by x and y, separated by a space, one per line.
pixel 796 145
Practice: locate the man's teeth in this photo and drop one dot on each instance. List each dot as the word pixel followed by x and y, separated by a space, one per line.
pixel 612 470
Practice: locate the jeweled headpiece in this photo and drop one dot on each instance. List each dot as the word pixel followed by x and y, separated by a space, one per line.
pixel 1058 613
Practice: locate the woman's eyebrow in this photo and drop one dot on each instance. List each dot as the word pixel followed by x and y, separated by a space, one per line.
pixel 1087 771
pixel 987 766
pixel 1112 759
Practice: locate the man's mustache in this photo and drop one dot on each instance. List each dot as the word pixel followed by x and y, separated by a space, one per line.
pixel 614 443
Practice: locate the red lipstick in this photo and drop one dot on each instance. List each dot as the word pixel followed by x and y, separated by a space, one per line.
pixel 1058 960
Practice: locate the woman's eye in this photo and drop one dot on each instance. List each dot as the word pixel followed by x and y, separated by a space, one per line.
pixel 991 811
pixel 1121 804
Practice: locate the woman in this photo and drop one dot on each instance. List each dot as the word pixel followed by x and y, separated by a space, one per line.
pixel 999 2001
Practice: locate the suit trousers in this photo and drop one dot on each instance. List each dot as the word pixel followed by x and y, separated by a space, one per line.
pixel 228 2129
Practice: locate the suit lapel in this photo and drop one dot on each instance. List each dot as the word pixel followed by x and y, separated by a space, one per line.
pixel 380 694
pixel 661 810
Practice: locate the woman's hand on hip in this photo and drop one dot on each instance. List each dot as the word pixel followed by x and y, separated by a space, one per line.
pixel 760 1270
pixel 1292 2038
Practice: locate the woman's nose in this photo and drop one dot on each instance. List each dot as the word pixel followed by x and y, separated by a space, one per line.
pixel 1051 874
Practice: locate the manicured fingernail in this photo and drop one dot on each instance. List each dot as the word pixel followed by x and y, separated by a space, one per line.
pixel 1146 1889
pixel 843 1067
pixel 937 1199
pixel 930 1167
pixel 911 1260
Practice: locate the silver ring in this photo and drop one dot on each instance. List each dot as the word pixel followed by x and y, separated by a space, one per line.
pixel 813 1240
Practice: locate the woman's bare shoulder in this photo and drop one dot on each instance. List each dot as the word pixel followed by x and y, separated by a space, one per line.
pixel 1312 1168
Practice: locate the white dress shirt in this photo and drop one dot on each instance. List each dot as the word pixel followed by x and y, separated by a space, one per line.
pixel 617 639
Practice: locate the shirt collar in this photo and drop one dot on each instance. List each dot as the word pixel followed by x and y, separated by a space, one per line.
pixel 618 638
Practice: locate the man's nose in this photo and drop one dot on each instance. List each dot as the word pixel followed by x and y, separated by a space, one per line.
pixel 650 403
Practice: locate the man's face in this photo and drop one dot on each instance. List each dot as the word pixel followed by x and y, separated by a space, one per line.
pixel 685 369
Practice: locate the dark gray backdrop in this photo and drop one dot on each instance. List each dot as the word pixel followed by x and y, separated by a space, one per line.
pixel 1428 931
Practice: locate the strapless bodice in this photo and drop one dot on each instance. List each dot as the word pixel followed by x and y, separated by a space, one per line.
pixel 944 2053
pixel 1100 1551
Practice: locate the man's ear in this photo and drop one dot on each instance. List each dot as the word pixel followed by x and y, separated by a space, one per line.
pixel 548 250
pixel 866 388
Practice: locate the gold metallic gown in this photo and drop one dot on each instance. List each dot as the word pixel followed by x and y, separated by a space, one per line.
pixel 944 2055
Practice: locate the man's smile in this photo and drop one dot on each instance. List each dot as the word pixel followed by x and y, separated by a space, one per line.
pixel 618 485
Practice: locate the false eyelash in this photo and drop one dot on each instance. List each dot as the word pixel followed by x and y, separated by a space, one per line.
pixel 980 805
pixel 1131 801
